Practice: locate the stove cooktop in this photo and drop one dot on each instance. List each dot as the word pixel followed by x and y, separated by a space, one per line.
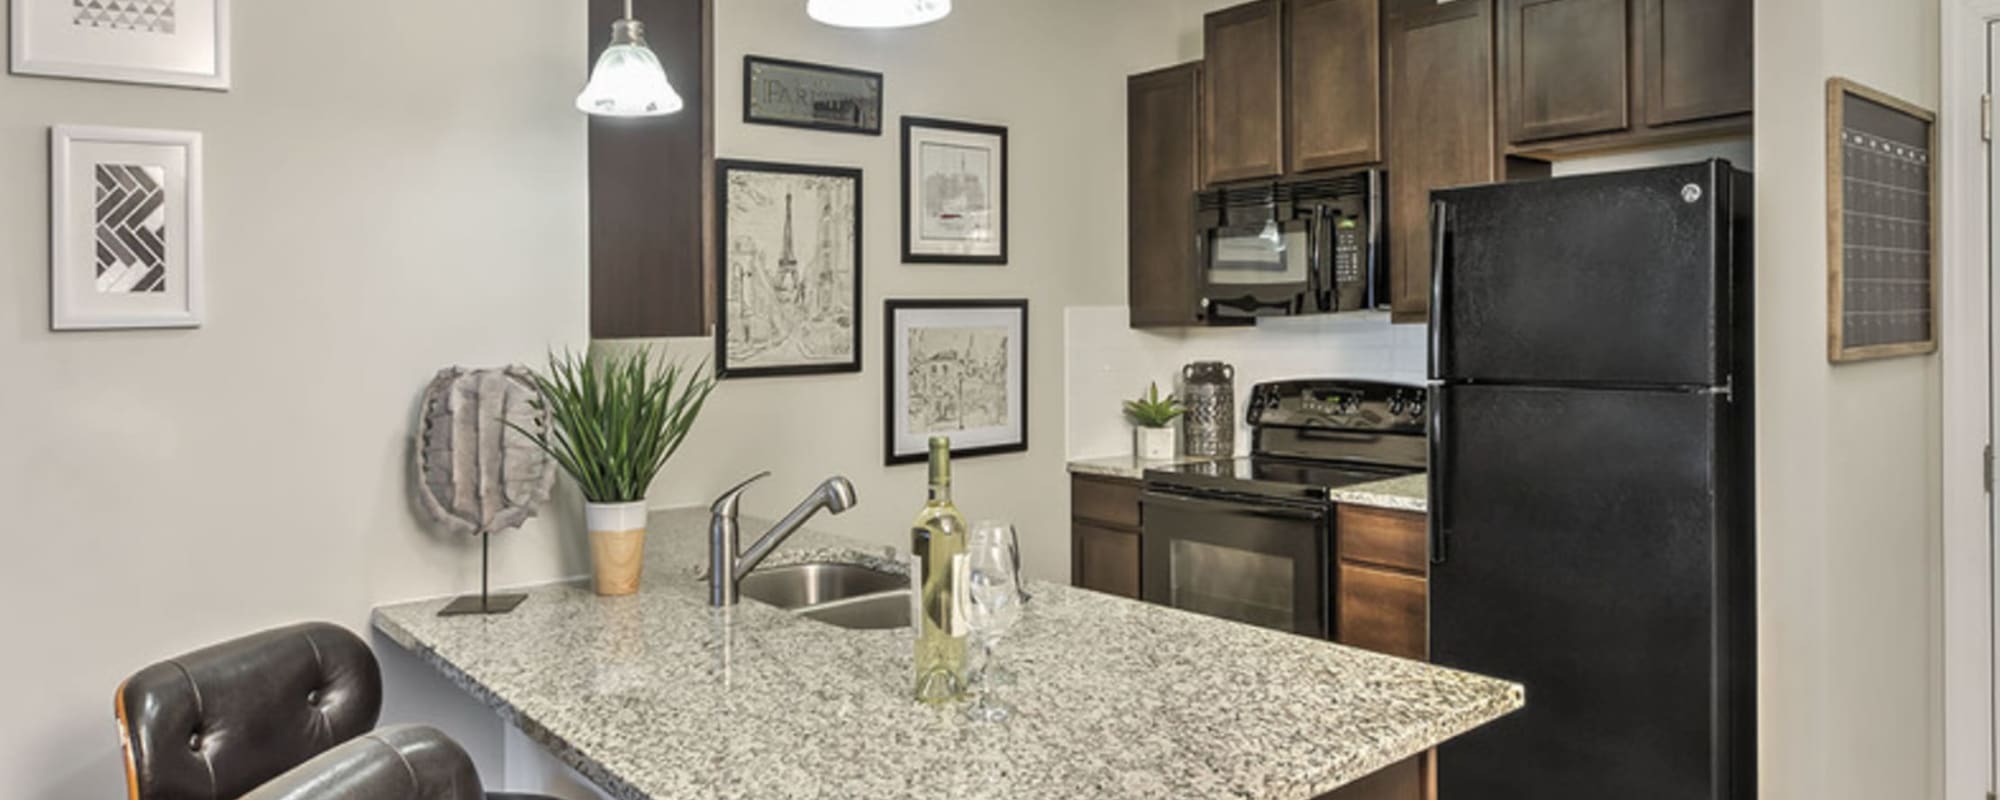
pixel 1269 477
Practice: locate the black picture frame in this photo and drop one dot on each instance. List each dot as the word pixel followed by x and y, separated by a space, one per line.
pixel 891 343
pixel 750 106
pixel 910 255
pixel 724 369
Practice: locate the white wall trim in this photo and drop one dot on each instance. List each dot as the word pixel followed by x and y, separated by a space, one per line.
pixel 1968 679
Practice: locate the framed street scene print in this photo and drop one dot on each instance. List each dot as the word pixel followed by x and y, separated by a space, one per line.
pixel 789 254
pixel 162 42
pixel 125 220
pixel 954 192
pixel 958 369
pixel 815 96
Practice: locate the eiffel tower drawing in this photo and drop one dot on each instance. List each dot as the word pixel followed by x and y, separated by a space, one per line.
pixel 788 284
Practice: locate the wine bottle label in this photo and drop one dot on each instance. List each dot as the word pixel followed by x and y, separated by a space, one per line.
pixel 959 581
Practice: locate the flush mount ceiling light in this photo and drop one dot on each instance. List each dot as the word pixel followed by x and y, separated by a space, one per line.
pixel 628 80
pixel 878 13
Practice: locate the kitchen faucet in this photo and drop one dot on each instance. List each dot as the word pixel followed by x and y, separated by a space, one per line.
pixel 726 567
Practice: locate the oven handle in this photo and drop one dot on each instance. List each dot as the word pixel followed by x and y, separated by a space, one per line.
pixel 1224 505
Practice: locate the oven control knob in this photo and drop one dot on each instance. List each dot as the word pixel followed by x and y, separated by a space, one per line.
pixel 1397 402
pixel 1417 407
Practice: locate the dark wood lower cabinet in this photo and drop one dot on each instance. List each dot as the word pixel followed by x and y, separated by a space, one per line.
pixel 1104 535
pixel 1384 605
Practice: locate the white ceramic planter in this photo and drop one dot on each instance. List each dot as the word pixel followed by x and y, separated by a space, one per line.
pixel 617 545
pixel 1153 443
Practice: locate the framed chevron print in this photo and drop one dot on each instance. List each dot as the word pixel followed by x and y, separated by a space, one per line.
pixel 125 239
pixel 161 42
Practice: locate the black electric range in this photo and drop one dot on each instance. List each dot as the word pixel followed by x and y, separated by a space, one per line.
pixel 1251 539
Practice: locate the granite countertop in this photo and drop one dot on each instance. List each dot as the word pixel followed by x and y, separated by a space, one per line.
pixel 659 696
pixel 1128 467
pixel 1407 493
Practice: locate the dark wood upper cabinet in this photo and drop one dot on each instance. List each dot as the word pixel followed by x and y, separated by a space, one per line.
pixel 1163 152
pixel 1243 85
pixel 1694 59
pixel 650 238
pixel 1565 64
pixel 1441 126
pixel 1334 91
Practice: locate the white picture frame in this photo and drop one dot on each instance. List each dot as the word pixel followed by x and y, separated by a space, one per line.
pixel 971 359
pixel 125 228
pixel 183 43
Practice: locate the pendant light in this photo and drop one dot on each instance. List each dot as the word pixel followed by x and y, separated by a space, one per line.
pixel 877 13
pixel 628 80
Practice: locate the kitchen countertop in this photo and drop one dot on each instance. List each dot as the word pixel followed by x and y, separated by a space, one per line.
pixel 659 696
pixel 1407 493
pixel 1130 468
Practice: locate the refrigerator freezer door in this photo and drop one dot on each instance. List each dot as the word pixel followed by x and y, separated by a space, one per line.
pixel 1577 540
pixel 1618 278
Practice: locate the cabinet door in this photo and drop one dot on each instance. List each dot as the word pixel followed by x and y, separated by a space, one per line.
pixel 1334 93
pixel 1441 121
pixel 1163 131
pixel 1565 66
pixel 1107 560
pixel 1384 611
pixel 1244 92
pixel 1403 780
pixel 1695 59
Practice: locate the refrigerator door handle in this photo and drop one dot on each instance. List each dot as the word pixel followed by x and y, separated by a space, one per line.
pixel 1438 480
pixel 1440 239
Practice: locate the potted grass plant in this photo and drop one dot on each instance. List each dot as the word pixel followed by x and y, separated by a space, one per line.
pixel 617 420
pixel 1153 423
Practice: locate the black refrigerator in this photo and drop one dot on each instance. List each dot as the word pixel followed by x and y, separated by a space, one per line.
pixel 1592 496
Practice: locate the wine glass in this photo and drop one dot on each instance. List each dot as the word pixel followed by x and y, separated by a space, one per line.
pixel 993 605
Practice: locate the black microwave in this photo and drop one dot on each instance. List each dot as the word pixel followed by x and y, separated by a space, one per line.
pixel 1309 245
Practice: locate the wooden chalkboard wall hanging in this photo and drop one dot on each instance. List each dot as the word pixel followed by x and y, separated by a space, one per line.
pixel 1881 232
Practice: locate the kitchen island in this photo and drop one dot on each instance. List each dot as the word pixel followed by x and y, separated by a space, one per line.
pixel 659 696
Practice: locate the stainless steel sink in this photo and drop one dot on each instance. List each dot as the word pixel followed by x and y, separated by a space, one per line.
pixel 846 595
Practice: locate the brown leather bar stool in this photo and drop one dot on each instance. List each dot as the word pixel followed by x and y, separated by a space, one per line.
pixel 224 720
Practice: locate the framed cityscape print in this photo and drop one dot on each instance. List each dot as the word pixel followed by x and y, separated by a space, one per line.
pixel 800 95
pixel 125 219
pixel 958 369
pixel 162 42
pixel 788 288
pixel 954 192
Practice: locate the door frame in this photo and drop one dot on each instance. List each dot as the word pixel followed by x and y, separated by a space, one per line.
pixel 1969 746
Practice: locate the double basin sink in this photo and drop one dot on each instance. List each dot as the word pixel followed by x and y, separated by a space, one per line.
pixel 844 595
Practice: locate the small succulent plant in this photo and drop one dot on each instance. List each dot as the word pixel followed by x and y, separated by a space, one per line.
pixel 1150 411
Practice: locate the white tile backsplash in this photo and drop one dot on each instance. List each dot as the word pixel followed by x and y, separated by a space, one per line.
pixel 1109 362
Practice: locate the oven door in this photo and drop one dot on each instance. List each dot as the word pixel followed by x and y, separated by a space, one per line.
pixel 1253 561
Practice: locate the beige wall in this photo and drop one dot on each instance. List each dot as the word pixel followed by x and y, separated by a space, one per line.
pixel 384 198
pixel 1848 456
pixel 1053 71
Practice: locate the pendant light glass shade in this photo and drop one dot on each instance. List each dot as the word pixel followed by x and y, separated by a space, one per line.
pixel 878 13
pixel 628 80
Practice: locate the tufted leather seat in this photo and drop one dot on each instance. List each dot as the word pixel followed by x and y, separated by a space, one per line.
pixel 219 722
pixel 403 763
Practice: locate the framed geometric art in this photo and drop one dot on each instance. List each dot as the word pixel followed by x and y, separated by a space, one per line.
pixel 1882 264
pixel 788 261
pixel 954 192
pixel 958 369
pixel 163 42
pixel 125 228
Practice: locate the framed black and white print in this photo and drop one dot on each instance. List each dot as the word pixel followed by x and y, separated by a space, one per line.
pixel 797 94
pixel 125 222
pixel 954 192
pixel 788 288
pixel 161 42
pixel 958 369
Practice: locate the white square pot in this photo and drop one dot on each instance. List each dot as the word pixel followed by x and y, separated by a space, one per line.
pixel 1153 444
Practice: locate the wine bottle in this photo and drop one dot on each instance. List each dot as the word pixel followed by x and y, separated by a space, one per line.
pixel 937 547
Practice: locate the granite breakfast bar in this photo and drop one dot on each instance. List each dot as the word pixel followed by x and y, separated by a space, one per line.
pixel 659 696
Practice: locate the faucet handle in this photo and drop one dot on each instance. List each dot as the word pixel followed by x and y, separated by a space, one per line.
pixel 726 504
